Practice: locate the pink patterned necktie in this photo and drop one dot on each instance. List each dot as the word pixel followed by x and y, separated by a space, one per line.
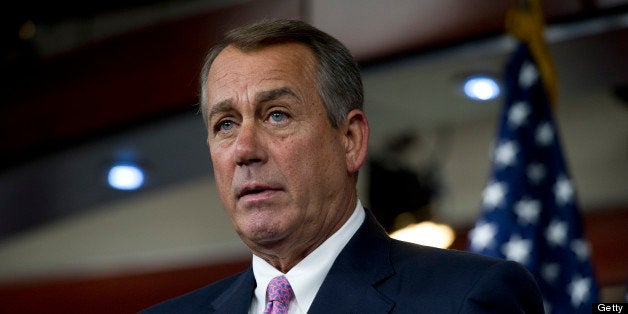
pixel 279 294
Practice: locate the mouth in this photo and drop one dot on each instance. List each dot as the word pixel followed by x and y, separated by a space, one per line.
pixel 254 191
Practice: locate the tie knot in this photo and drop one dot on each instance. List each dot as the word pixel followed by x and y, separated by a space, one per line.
pixel 279 289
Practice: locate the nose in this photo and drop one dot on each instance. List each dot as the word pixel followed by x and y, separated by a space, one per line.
pixel 249 148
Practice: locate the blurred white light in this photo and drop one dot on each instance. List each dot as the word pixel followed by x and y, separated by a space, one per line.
pixel 125 177
pixel 481 88
pixel 426 233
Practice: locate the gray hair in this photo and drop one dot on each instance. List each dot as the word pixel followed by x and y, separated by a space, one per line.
pixel 338 79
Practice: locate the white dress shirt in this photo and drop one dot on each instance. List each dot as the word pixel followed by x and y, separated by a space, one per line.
pixel 307 276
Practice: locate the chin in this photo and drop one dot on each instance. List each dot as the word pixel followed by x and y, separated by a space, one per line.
pixel 264 233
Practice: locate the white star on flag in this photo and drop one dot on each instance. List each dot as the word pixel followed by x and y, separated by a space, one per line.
pixel 506 153
pixel 517 249
pixel 550 272
pixel 528 211
pixel 518 114
pixel 536 173
pixel 579 290
pixel 529 74
pixel 482 235
pixel 544 134
pixel 581 249
pixel 557 233
pixel 547 306
pixel 494 195
pixel 563 190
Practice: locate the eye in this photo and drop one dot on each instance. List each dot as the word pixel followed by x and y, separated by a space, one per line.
pixel 224 125
pixel 277 116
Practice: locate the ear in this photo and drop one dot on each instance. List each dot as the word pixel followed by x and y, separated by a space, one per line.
pixel 356 135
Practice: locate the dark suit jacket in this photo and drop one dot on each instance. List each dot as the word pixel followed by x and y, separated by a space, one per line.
pixel 376 274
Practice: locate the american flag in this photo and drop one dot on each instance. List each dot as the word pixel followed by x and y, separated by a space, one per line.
pixel 529 208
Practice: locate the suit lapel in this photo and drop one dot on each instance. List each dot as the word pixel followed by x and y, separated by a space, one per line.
pixel 236 298
pixel 350 284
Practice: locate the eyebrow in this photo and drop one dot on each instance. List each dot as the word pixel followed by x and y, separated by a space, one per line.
pixel 261 97
pixel 221 106
pixel 274 94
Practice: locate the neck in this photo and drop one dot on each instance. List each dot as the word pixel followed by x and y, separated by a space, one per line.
pixel 284 255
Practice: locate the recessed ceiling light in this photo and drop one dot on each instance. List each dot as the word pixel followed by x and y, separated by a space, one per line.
pixel 125 177
pixel 482 88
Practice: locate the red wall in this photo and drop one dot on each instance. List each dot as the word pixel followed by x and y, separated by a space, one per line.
pixel 117 294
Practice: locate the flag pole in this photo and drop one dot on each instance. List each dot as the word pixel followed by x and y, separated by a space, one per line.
pixel 526 22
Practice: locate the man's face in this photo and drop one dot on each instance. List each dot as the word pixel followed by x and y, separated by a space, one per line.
pixel 280 167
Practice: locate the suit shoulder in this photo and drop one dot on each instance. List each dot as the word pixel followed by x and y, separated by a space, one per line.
pixel 196 300
pixel 462 268
pixel 470 281
pixel 404 252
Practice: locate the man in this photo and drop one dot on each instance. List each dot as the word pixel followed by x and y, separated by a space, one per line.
pixel 287 136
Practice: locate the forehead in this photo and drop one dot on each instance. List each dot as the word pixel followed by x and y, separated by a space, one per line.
pixel 285 61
